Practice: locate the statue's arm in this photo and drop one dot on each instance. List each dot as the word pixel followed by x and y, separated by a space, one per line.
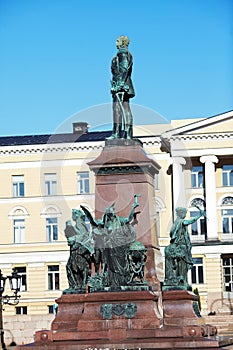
pixel 195 218
pixel 132 213
pixel 89 216
pixel 123 67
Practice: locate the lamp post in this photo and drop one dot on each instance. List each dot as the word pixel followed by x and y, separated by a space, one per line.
pixel 15 282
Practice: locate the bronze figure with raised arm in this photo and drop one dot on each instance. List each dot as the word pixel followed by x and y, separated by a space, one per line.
pixel 178 256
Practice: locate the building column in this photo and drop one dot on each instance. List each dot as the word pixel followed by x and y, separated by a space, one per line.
pixel 210 196
pixel 178 182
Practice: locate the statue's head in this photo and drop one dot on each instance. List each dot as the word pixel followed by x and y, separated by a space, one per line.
pixel 71 240
pixel 122 41
pixel 77 214
pixel 109 213
pixel 181 212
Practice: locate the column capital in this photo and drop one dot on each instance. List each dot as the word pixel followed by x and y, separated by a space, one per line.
pixel 209 158
pixel 179 160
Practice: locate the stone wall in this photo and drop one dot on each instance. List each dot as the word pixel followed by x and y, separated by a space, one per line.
pixel 22 328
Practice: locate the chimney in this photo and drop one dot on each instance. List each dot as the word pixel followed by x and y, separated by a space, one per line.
pixel 80 128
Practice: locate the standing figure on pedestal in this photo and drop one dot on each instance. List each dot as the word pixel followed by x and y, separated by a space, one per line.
pixel 122 90
pixel 99 246
pixel 120 234
pixel 78 267
pixel 178 256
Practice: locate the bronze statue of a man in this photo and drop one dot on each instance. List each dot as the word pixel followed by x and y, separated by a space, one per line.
pixel 122 90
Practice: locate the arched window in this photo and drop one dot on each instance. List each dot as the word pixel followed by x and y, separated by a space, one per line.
pixel 18 215
pixel 227 201
pixel 50 210
pixel 227 215
pixel 197 201
pixel 51 213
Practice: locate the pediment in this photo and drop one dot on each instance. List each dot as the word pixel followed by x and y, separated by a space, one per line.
pixel 219 124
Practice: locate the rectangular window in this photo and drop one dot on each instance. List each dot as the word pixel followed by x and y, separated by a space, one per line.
pixel 21 310
pixel 22 271
pixel 50 184
pixel 50 309
pixel 227 175
pixel 83 182
pixel 18 185
pixel 19 231
pixel 197 176
pixel 197 274
pixel 227 264
pixel 51 229
pixel 194 229
pixel 199 226
pixel 53 277
pixel 227 220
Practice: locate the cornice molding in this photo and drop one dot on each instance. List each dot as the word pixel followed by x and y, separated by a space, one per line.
pixel 66 147
pixel 151 141
pixel 51 148
pixel 203 137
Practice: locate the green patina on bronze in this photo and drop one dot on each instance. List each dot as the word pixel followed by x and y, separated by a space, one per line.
pixel 78 267
pixel 109 310
pixel 118 258
pixel 178 256
pixel 122 90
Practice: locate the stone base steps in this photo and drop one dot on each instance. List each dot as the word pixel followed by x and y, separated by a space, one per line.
pixel 224 323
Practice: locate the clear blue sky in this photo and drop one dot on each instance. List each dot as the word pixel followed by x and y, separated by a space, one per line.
pixel 56 54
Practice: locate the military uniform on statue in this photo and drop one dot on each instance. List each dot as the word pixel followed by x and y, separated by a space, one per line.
pixel 122 90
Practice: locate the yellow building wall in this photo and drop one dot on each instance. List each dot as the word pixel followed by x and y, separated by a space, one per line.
pixel 66 163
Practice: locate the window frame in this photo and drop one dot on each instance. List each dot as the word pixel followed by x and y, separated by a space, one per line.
pixel 197 271
pixel 52 229
pixel 197 182
pixel 18 186
pixel 227 175
pixel 53 277
pixel 50 183
pixel 21 310
pixel 200 224
pixel 50 309
pixel 83 182
pixel 23 275
pixel 229 219
pixel 230 274
pixel 21 230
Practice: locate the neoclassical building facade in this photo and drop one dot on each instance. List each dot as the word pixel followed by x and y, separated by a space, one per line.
pixel 43 177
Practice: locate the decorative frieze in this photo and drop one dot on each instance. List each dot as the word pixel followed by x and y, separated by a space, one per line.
pixel 108 310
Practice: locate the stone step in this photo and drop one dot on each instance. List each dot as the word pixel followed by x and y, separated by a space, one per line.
pixel 224 323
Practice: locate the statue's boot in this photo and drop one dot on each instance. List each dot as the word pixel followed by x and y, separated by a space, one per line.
pixel 128 132
pixel 116 132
